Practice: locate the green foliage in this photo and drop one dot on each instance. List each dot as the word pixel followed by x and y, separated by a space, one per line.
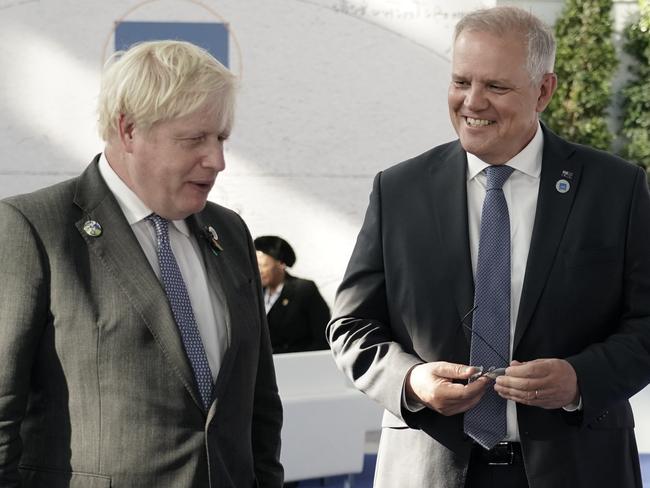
pixel 585 64
pixel 636 94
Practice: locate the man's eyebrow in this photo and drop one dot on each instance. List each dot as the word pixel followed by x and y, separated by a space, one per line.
pixel 498 81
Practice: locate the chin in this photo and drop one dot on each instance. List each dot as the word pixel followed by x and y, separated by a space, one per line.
pixel 196 207
pixel 470 148
pixel 475 144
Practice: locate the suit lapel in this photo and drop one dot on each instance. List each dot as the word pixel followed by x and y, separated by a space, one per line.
pixel 449 203
pixel 552 212
pixel 226 280
pixel 119 251
pixel 279 308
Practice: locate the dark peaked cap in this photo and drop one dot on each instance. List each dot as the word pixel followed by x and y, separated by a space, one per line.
pixel 277 248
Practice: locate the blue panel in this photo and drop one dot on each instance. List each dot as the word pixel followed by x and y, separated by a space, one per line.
pixel 211 36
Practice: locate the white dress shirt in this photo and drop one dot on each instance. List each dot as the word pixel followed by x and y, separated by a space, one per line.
pixel 520 191
pixel 207 303
pixel 271 298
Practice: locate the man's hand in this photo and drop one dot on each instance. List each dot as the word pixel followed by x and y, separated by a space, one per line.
pixel 545 383
pixel 431 384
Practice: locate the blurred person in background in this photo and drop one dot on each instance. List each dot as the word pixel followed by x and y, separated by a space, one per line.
pixel 296 312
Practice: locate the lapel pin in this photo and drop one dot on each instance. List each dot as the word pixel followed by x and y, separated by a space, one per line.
pixel 212 237
pixel 285 302
pixel 92 228
pixel 562 186
pixel 567 174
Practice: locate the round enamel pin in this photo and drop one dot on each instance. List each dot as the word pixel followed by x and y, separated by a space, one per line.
pixel 562 186
pixel 92 228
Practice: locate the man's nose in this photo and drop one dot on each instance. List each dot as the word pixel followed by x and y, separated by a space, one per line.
pixel 213 157
pixel 475 98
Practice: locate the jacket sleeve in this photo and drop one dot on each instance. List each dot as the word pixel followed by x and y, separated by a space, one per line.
pixel 23 314
pixel 615 369
pixel 360 330
pixel 267 408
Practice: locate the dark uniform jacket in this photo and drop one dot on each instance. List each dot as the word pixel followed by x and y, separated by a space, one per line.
pixel 298 318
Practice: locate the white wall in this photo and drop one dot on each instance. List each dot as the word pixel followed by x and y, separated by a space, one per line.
pixel 332 91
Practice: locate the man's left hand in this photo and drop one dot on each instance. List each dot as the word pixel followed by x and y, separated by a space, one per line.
pixel 545 383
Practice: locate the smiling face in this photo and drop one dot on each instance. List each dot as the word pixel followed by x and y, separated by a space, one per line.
pixel 173 166
pixel 493 105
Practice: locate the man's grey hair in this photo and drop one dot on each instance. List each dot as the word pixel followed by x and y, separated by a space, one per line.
pixel 507 20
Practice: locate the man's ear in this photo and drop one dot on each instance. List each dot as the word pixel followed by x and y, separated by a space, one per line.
pixel 125 128
pixel 546 90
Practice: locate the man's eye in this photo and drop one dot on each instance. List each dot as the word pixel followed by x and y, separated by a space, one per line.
pixel 498 88
pixel 461 83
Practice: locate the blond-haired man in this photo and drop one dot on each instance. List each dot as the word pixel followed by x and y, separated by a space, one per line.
pixel 133 336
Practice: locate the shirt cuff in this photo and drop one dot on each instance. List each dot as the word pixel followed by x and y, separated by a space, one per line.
pixel 572 407
pixel 409 405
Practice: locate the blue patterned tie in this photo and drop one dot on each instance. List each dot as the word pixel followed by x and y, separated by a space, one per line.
pixel 181 306
pixel 486 422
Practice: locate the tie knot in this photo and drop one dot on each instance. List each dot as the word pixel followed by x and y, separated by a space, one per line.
pixel 497 176
pixel 160 224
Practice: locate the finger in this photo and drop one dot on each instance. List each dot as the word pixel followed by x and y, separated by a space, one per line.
pixel 462 402
pixel 518 397
pixel 531 369
pixel 527 396
pixel 478 387
pixel 452 398
pixel 464 406
pixel 520 383
pixel 453 370
pixel 463 392
pixel 543 398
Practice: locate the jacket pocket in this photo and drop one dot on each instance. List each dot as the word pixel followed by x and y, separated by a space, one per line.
pixel 614 418
pixel 37 477
pixel 592 255
pixel 391 421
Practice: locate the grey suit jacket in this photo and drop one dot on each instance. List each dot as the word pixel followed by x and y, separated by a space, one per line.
pixel 95 388
pixel 586 298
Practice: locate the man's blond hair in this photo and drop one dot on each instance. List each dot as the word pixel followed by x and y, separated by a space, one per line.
pixel 162 80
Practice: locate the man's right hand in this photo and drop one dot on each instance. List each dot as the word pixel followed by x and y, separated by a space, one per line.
pixel 432 385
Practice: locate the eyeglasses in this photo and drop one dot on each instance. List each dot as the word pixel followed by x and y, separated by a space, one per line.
pixel 492 372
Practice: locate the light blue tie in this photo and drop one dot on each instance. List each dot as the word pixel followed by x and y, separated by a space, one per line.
pixel 181 306
pixel 486 422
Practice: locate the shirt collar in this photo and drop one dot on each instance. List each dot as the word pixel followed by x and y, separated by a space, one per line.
pixel 527 161
pixel 133 208
pixel 277 291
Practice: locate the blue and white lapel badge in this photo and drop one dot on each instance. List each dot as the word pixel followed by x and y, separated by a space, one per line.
pixel 92 228
pixel 213 239
pixel 562 186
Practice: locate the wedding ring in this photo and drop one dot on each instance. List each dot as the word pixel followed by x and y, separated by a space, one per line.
pixel 535 394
